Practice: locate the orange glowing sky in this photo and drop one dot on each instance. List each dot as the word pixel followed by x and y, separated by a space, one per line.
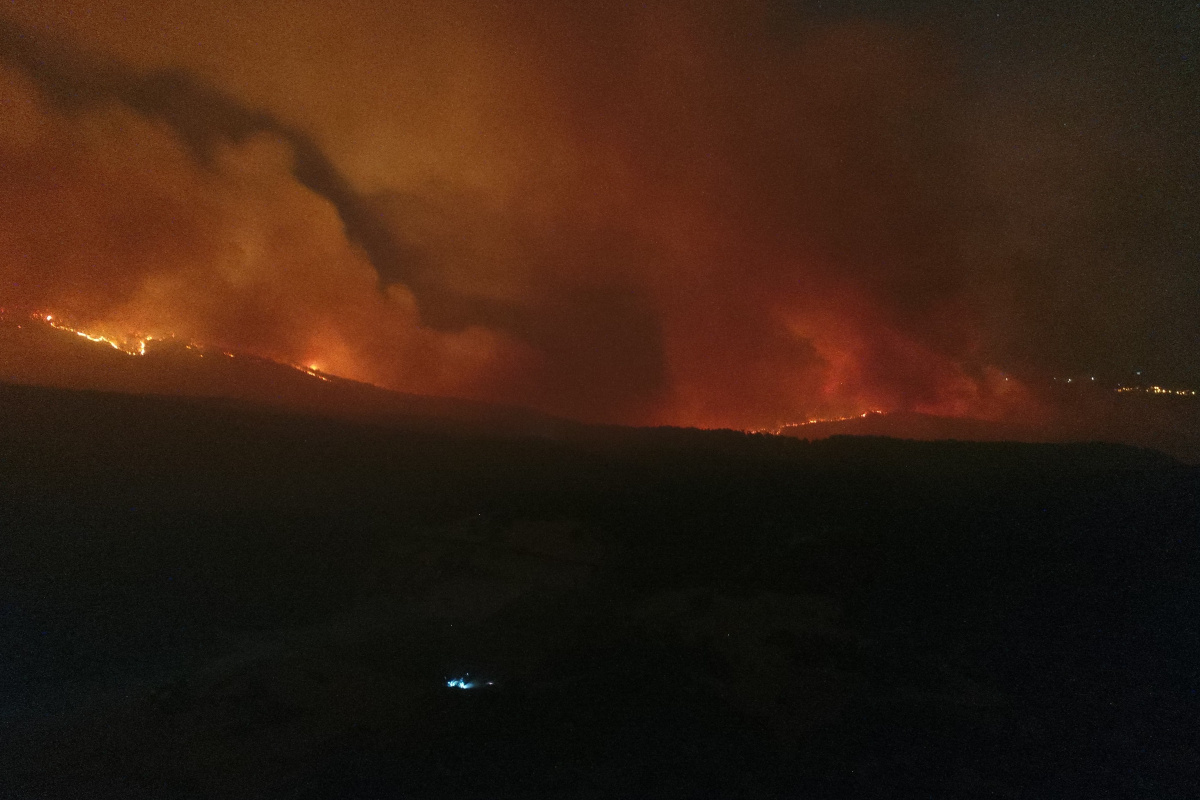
pixel 688 213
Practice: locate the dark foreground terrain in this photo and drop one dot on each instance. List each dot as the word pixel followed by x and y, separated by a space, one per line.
pixel 200 600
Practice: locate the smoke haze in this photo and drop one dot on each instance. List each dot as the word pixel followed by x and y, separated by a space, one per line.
pixel 686 213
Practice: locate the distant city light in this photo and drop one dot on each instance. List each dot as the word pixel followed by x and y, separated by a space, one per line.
pixel 1157 390
pixel 1123 389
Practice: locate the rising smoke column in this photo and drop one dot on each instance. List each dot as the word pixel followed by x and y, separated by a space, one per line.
pixel 669 214
pixel 149 205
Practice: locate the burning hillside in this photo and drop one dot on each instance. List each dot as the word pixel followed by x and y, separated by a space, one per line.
pixel 42 349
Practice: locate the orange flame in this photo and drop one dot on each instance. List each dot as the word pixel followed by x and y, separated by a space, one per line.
pixel 138 344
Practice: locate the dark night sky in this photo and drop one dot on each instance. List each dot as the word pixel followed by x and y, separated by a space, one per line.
pixel 691 212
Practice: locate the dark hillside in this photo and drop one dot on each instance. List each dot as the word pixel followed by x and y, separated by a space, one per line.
pixel 203 600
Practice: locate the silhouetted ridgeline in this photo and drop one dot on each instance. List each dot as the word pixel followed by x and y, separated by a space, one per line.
pixel 203 599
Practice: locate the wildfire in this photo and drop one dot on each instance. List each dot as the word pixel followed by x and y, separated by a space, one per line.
pixel 816 421
pixel 137 344
pixel 312 370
